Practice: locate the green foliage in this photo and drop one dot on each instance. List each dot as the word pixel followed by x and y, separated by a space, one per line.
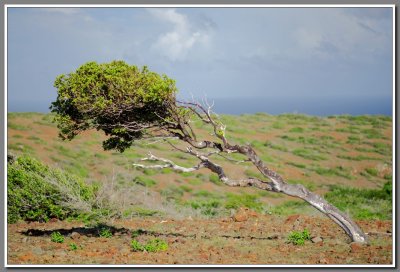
pixel 337 171
pixel 275 146
pixel 372 134
pixel 235 201
pixel 215 179
pixel 208 207
pixel 298 165
pixel 363 203
pixel 35 191
pixel 145 181
pixel 73 246
pixel 296 130
pixel 105 232
pixel 308 184
pixel 291 207
pixel 108 96
pixel 372 171
pixel 139 211
pixel 57 237
pixel 173 193
pixel 17 126
pixel 153 245
pixel 308 154
pixel 298 238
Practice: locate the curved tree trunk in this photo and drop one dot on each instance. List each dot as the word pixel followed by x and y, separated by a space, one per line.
pixel 277 184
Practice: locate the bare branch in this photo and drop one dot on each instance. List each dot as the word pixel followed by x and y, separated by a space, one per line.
pixel 168 164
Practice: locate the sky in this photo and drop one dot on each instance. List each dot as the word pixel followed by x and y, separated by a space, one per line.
pixel 318 61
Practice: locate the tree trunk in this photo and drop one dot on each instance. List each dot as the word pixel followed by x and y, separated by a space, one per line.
pixel 277 184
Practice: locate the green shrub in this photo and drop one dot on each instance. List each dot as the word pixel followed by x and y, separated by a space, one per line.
pixel 208 207
pixel 105 232
pixel 37 192
pixel 298 238
pixel 73 246
pixel 154 245
pixel 57 237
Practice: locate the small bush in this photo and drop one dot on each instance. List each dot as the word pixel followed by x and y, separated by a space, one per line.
pixel 208 207
pixel 57 237
pixel 153 245
pixel 299 238
pixel 73 246
pixel 37 192
pixel 105 232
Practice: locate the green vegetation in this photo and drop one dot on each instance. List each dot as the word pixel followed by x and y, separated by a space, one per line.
pixel 296 130
pixel 84 96
pixel 298 165
pixel 208 207
pixel 308 154
pixel 215 179
pixel 339 171
pixel 275 146
pixel 17 126
pixel 73 246
pixel 372 134
pixel 299 238
pixel 291 207
pixel 363 203
pixel 372 171
pixel 138 211
pixel 57 237
pixel 144 181
pixel 235 201
pixel 105 232
pixel 153 245
pixel 308 184
pixel 37 192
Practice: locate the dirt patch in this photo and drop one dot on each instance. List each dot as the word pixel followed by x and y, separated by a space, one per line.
pixel 257 239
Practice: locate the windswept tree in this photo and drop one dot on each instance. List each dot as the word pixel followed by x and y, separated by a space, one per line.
pixel 130 104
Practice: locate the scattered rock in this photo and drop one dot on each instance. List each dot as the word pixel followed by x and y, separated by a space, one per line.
pixel 292 218
pixel 316 239
pixel 75 235
pixel 24 240
pixel 241 215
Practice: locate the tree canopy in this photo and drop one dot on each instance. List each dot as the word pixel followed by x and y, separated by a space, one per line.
pixel 120 99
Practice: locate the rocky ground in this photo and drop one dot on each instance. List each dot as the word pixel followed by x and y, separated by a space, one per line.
pixel 245 238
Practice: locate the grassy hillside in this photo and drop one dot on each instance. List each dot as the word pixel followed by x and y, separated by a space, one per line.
pixel 335 155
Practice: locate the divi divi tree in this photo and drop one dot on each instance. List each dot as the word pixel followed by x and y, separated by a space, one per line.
pixel 131 104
